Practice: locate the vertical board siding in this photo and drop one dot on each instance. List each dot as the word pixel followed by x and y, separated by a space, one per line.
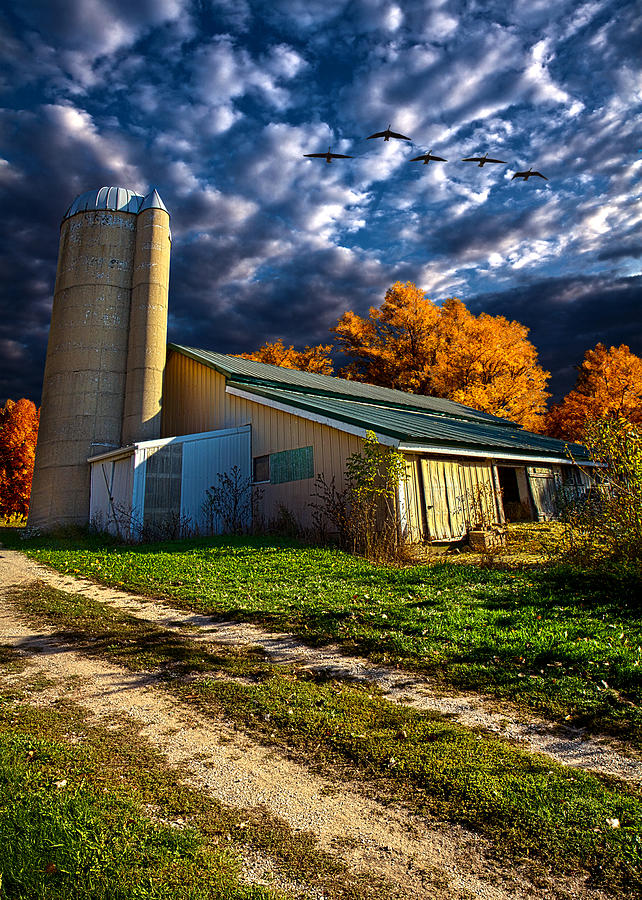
pixel 454 494
pixel 544 483
pixel 195 401
pixel 411 487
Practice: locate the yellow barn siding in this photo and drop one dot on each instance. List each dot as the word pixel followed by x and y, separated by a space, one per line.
pixel 439 492
pixel 195 401
pixel 450 490
pixel 414 500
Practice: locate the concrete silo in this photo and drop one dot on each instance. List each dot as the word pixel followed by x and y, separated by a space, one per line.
pixel 147 323
pixel 106 341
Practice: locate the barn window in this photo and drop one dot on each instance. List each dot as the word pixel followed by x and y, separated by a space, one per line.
pixel 291 465
pixel 261 468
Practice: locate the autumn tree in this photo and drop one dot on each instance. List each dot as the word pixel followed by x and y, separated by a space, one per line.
pixel 18 434
pixel 608 386
pixel 312 359
pixel 412 344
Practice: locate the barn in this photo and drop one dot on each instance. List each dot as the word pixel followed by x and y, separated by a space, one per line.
pixel 133 431
pixel 287 427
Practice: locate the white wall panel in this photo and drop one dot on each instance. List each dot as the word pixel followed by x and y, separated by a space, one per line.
pixel 110 506
pixel 204 459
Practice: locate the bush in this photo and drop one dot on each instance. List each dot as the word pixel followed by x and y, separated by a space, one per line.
pixel 228 504
pixel 606 522
pixel 365 514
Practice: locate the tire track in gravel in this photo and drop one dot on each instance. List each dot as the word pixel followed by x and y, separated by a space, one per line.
pixel 567 745
pixel 425 860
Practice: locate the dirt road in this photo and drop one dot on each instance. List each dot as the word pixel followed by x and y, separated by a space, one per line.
pixel 425 860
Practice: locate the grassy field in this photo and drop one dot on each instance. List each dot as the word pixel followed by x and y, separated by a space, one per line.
pixel 94 813
pixel 73 823
pixel 529 807
pixel 565 643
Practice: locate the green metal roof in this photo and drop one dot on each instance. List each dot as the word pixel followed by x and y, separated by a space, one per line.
pixel 414 427
pixel 408 418
pixel 250 372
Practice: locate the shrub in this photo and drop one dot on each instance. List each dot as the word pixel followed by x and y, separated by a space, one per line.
pixel 365 515
pixel 229 503
pixel 606 522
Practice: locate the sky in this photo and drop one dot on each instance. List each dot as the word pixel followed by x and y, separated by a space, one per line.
pixel 214 103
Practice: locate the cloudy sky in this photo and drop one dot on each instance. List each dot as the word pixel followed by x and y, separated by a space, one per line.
pixel 214 103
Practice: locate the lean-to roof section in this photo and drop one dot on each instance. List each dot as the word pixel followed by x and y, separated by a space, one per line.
pixel 419 428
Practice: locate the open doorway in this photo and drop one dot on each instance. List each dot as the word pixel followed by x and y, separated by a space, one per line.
pixel 515 496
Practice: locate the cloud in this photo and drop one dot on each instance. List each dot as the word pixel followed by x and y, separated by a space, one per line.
pixel 570 315
pixel 215 104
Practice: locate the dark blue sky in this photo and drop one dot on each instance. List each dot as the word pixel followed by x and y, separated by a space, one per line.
pixel 215 103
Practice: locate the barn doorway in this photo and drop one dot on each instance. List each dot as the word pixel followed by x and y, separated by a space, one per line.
pixel 515 496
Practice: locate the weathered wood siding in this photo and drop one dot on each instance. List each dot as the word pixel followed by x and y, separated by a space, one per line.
pixel 445 497
pixel 195 401
pixel 544 483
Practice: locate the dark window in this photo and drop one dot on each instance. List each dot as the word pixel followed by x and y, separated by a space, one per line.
pixel 261 468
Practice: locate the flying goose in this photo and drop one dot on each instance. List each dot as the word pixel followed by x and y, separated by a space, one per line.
pixel 328 156
pixel 387 134
pixel 427 157
pixel 481 160
pixel 529 174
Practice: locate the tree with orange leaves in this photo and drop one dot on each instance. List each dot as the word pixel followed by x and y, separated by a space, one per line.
pixel 411 344
pixel 312 359
pixel 608 386
pixel 18 434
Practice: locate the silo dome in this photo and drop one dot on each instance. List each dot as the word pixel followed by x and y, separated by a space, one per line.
pixel 115 198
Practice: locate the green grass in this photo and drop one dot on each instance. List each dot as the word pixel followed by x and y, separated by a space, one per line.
pixel 82 822
pixel 62 834
pixel 528 806
pixel 564 643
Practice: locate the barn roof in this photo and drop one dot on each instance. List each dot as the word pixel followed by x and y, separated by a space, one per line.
pixel 413 420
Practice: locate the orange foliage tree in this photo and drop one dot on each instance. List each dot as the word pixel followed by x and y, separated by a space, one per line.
pixel 608 386
pixel 18 434
pixel 312 359
pixel 411 344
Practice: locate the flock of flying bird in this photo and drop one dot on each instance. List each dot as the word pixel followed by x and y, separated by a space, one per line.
pixel 425 157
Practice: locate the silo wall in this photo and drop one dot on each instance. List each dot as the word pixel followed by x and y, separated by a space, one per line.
pixel 147 347
pixel 85 370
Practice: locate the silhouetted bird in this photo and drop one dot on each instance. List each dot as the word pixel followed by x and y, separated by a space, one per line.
pixel 529 174
pixel 482 160
pixel 328 156
pixel 387 134
pixel 427 157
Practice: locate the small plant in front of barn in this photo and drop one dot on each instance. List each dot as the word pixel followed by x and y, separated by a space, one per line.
pixel 484 533
pixel 330 511
pixel 365 515
pixel 228 505
pixel 606 521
